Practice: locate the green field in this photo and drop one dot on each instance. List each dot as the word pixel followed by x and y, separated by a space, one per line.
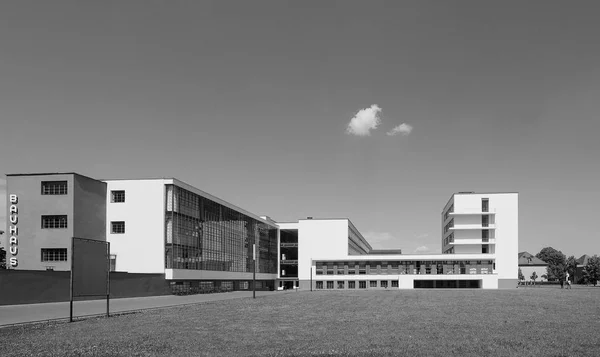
pixel 521 322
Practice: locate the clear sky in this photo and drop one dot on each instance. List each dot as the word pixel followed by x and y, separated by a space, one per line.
pixel 251 101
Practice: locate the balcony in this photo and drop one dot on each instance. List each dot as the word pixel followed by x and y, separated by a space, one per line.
pixel 476 213
pixel 479 241
pixel 288 262
pixel 472 226
pixel 288 245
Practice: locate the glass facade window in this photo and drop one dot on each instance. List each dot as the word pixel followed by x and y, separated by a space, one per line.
pixel 352 285
pixel 330 285
pixel 204 235
pixel 54 221
pixel 319 285
pixel 362 284
pixel 117 227
pixel 117 196
pixel 340 284
pixel 54 254
pixel 54 187
pixel 383 283
pixel 394 283
pixel 373 283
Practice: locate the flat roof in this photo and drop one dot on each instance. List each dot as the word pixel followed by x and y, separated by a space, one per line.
pixel 51 174
pixel 198 191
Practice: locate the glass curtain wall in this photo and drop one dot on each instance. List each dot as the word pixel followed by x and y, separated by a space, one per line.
pixel 204 235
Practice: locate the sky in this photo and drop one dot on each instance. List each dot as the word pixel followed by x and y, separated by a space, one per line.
pixel 375 111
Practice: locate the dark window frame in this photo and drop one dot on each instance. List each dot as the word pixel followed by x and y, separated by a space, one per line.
pixel 117 224
pixel 117 196
pixel 53 255
pixel 55 221
pixel 55 187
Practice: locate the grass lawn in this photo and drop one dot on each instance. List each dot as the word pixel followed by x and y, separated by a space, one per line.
pixel 520 322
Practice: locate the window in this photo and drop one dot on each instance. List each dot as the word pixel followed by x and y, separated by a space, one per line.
pixel 113 262
pixel 319 285
pixel 373 283
pixel 485 204
pixel 54 187
pixel 54 254
pixel 340 284
pixel 394 283
pixel 117 196
pixel 54 221
pixel 243 285
pixel 352 285
pixel 362 284
pixel 485 249
pixel 383 284
pixel 117 227
pixel 330 285
pixel 485 220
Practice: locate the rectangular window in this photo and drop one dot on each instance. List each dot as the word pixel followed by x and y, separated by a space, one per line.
pixel 373 283
pixel 54 254
pixel 485 204
pixel 362 284
pixel 330 285
pixel 54 221
pixel 485 220
pixel 113 262
pixel 394 283
pixel 243 285
pixel 352 285
pixel 340 284
pixel 319 285
pixel 54 187
pixel 485 249
pixel 117 196
pixel 117 227
pixel 383 283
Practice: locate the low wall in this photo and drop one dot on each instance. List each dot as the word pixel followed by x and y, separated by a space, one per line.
pixel 31 286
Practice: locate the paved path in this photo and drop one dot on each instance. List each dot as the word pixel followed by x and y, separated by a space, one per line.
pixel 19 314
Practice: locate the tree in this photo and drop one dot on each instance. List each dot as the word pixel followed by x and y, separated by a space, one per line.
pixel 521 277
pixel 556 263
pixel 2 258
pixel 591 272
pixel 534 276
pixel 571 265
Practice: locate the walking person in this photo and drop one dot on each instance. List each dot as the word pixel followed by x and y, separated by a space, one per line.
pixel 567 280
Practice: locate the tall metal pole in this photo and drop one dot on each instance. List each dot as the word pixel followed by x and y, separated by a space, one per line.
pixel 254 271
pixel 108 279
pixel 71 282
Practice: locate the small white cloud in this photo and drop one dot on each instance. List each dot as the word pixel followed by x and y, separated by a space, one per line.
pixel 422 249
pixel 364 121
pixel 403 129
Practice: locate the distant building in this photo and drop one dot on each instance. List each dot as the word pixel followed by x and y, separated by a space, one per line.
pixel 529 263
pixel 580 264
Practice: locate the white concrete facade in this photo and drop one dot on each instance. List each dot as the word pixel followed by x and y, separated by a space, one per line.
pixel 462 229
pixel 141 249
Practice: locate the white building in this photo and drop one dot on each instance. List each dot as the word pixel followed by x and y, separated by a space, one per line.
pixel 194 238
pixel 479 239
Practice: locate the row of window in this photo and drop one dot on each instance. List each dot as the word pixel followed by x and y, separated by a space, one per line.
pixel 351 284
pixel 60 221
pixel 61 188
pixel 409 267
